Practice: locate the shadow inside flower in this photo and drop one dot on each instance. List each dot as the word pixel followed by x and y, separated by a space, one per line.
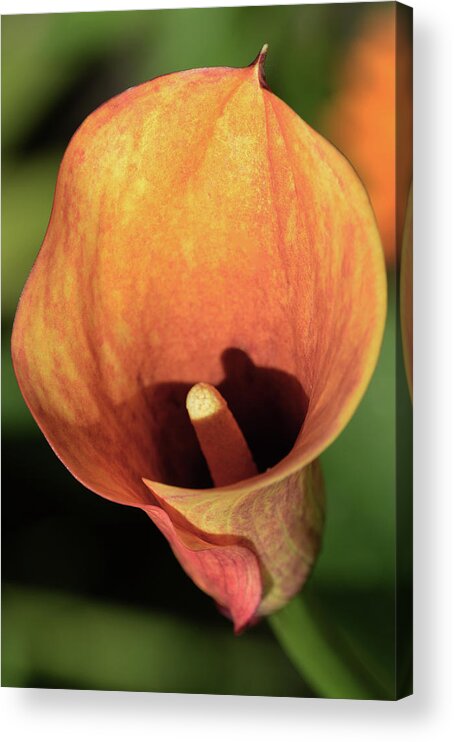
pixel 269 405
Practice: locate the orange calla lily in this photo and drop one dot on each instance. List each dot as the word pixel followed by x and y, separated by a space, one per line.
pixel 202 232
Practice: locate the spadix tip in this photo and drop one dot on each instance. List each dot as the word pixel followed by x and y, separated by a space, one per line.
pixel 203 400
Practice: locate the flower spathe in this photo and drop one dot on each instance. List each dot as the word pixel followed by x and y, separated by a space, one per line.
pixel 201 231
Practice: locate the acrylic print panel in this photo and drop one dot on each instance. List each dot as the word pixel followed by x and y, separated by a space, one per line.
pixel 209 368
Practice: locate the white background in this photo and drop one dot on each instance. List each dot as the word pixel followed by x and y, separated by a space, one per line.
pixel 80 715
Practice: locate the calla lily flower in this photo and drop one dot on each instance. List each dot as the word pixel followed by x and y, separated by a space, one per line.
pixel 202 232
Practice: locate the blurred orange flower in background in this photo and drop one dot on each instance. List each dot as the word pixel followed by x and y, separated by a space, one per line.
pixel 370 118
pixel 406 292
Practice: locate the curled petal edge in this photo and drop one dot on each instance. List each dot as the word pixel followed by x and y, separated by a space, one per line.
pixel 264 540
pixel 229 573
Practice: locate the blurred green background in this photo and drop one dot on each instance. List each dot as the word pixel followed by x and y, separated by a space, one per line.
pixel 92 595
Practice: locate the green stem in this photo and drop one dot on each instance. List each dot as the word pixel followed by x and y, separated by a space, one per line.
pixel 321 655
